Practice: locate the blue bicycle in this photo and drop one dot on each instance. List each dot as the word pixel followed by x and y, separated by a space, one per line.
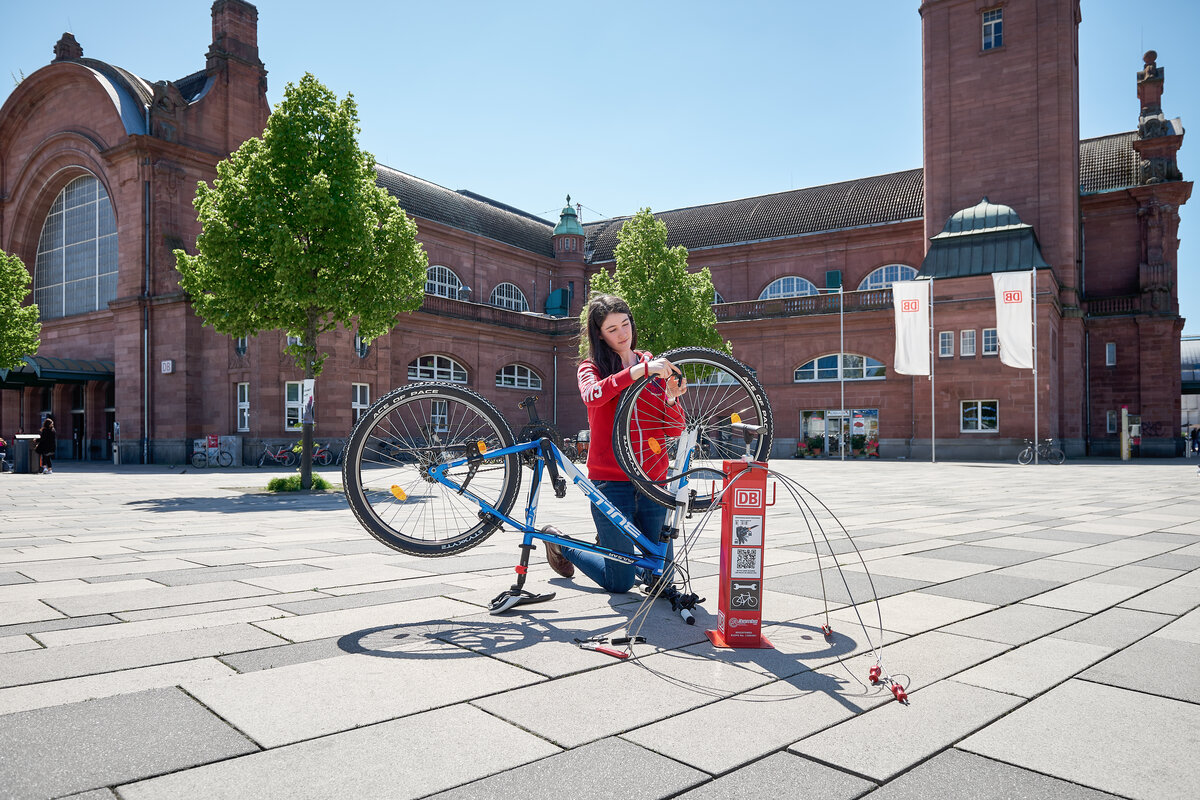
pixel 433 469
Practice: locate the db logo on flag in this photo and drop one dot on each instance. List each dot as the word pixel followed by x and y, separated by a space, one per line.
pixel 910 305
pixel 747 498
pixel 1013 296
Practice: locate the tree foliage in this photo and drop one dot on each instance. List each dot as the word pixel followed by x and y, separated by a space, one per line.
pixel 297 236
pixel 672 307
pixel 19 326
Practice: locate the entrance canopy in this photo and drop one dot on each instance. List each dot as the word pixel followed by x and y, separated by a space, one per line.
pixel 980 240
pixel 48 370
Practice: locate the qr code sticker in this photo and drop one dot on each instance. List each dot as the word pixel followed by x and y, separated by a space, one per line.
pixel 747 562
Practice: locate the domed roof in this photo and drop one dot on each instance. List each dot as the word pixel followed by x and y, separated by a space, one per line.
pixel 568 221
pixel 984 216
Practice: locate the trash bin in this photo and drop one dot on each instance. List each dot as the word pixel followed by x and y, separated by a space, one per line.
pixel 24 459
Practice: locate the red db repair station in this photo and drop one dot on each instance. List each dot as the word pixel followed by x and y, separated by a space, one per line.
pixel 743 522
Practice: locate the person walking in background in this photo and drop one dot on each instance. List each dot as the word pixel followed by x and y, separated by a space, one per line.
pixel 47 445
pixel 1195 441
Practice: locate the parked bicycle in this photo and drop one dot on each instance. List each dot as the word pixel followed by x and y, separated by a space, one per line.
pixel 1046 451
pixel 282 455
pixel 453 491
pixel 211 458
pixel 322 455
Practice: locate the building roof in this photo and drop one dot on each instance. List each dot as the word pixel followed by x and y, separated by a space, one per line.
pixel 1107 163
pixel 467 211
pixel 876 200
pixel 982 239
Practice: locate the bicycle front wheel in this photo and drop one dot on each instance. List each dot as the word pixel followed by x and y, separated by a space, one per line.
pixel 1025 456
pixel 199 460
pixel 225 459
pixel 390 455
pixel 721 391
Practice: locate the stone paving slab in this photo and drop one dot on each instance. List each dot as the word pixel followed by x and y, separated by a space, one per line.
pixel 1015 624
pixel 113 601
pixel 98 633
pixel 55 751
pixel 913 612
pixel 1156 665
pixel 604 769
pixel 1184 629
pixel 196 575
pixel 1127 743
pixel 759 722
pixel 289 704
pixel 17 612
pixel 652 688
pixel 406 758
pixel 936 717
pixel 782 775
pixel 1089 596
pixel 1174 598
pixel 809 584
pixel 955 774
pixel 9 578
pixel 70 661
pixel 1034 668
pixel 348 621
pixel 991 588
pixel 979 554
pixel 1115 628
pixel 91 687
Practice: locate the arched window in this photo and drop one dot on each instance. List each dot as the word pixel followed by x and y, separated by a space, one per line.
pixel 442 281
pixel 884 277
pixel 788 286
pixel 437 368
pixel 506 295
pixel 517 376
pixel 854 368
pixel 76 267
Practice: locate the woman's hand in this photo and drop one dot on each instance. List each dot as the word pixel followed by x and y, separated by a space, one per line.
pixel 661 368
pixel 675 386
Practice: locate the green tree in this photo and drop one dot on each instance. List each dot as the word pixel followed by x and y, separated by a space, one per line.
pixel 672 307
pixel 297 237
pixel 19 326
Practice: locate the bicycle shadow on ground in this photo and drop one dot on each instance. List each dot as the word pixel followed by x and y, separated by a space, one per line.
pixel 240 504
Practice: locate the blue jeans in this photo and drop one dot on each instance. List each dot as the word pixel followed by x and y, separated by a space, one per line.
pixel 647 515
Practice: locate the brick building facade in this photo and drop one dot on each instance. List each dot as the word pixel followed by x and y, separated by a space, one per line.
pixel 97 175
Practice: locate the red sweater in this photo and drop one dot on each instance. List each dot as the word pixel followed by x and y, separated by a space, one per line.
pixel 601 396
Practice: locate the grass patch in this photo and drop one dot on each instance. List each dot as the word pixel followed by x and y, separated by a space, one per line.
pixel 292 484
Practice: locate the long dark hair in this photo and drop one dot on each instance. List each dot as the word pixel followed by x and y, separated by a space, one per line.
pixel 603 356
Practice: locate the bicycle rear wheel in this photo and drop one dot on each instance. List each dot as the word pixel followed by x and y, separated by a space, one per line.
pixel 393 447
pixel 1056 456
pixel 225 459
pixel 199 460
pixel 721 391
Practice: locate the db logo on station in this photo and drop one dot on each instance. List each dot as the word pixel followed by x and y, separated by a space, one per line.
pixel 1013 296
pixel 747 498
pixel 910 305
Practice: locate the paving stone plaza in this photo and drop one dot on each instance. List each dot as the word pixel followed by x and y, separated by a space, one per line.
pixel 172 633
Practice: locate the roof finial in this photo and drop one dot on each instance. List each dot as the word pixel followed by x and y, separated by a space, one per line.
pixel 568 199
pixel 67 49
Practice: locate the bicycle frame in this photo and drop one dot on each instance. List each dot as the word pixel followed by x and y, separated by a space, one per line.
pixel 652 553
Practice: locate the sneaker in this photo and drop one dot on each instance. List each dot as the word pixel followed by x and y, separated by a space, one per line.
pixel 554 555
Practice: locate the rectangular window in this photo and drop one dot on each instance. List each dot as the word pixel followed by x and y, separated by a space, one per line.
pixel 980 416
pixel 946 344
pixel 293 340
pixel 240 344
pixel 833 279
pixel 966 343
pixel 291 406
pixel 439 416
pixel 360 399
pixel 993 28
pixel 991 343
pixel 1110 354
pixel 243 406
pixel 1114 421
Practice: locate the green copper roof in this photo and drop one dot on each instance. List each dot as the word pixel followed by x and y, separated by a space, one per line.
pixel 980 240
pixel 568 221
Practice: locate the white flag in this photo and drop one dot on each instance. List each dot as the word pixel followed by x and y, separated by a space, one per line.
pixel 911 299
pixel 1014 317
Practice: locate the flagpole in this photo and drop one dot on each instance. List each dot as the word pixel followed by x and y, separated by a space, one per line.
pixel 1033 304
pixel 932 384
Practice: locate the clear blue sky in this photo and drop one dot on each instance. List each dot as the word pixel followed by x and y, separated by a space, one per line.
pixel 626 104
